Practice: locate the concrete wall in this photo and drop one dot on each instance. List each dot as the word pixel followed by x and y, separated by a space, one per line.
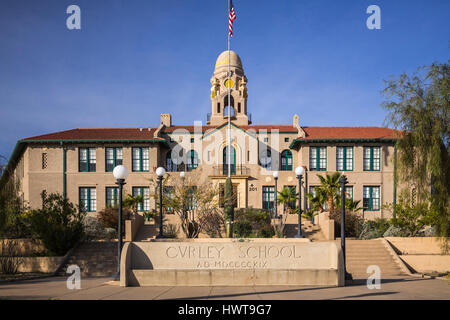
pixel 38 264
pixel 24 247
pixel 212 261
pixel 422 254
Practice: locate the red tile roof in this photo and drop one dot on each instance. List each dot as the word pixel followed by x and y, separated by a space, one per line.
pixel 148 132
pixel 349 133
pixel 99 134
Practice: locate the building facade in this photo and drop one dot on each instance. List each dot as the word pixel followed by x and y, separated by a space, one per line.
pixel 78 163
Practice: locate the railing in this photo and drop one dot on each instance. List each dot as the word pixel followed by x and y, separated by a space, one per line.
pixel 235 170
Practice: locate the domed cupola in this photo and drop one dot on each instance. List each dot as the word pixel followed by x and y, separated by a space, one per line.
pixel 219 91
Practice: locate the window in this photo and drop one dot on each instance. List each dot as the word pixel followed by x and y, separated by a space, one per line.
pixel 87 159
pixel 266 139
pixel 349 192
pixel 344 158
pixel 286 160
pixel 140 159
pixel 371 159
pixel 171 166
pixel 318 158
pixel 222 195
pixel 286 139
pixel 192 197
pixel 192 140
pixel 268 197
pixel 44 161
pixel 144 192
pixel 266 159
pixel 192 161
pixel 88 199
pixel 112 196
pixel 218 107
pixel 114 157
pixel 371 198
pixel 239 107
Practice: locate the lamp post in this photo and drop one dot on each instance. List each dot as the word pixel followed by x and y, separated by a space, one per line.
pixel 299 171
pixel 182 175
pixel 343 181
pixel 120 173
pixel 275 176
pixel 160 173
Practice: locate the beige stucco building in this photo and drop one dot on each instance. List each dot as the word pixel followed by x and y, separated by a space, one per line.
pixel 78 163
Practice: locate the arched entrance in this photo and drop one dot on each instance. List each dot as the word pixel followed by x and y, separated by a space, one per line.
pixel 225 160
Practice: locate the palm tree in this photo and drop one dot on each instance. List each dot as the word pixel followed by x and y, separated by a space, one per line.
pixel 286 197
pixel 317 200
pixel 330 186
pixel 132 202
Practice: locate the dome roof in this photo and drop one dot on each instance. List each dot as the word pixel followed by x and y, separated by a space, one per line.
pixel 222 62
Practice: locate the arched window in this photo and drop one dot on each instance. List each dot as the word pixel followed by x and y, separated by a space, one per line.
pixel 225 160
pixel 192 160
pixel 170 165
pixel 266 159
pixel 286 160
pixel 226 105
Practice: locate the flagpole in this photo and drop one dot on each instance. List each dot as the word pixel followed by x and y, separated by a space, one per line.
pixel 229 100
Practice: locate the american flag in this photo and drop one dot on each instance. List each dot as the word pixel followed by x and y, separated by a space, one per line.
pixel 231 18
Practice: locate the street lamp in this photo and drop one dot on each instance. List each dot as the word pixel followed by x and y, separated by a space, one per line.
pixel 275 176
pixel 343 181
pixel 160 173
pixel 120 173
pixel 182 175
pixel 299 171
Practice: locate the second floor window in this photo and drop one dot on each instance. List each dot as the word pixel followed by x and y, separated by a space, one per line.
pixel 87 159
pixel 318 158
pixel 114 157
pixel 192 160
pixel 344 158
pixel 141 160
pixel 286 160
pixel 371 159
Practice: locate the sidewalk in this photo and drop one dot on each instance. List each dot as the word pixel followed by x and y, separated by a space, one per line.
pixel 100 288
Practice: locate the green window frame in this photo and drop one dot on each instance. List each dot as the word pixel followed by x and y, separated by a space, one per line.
pixel 192 161
pixel 112 196
pixel 344 158
pixel 113 158
pixel 268 197
pixel 317 158
pixel 372 159
pixel 144 192
pixel 87 159
pixel 286 160
pixel 88 199
pixel 140 159
pixel 371 198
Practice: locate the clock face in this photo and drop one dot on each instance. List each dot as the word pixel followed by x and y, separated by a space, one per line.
pixel 231 82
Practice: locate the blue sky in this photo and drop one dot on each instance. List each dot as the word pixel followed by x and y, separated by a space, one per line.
pixel 133 60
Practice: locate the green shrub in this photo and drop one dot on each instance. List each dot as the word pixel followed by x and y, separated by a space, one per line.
pixel 353 223
pixel 170 231
pixel 242 229
pixel 374 228
pixel 59 224
pixel 109 217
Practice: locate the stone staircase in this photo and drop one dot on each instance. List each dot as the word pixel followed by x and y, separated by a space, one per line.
pixel 362 253
pixel 309 230
pixel 97 258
